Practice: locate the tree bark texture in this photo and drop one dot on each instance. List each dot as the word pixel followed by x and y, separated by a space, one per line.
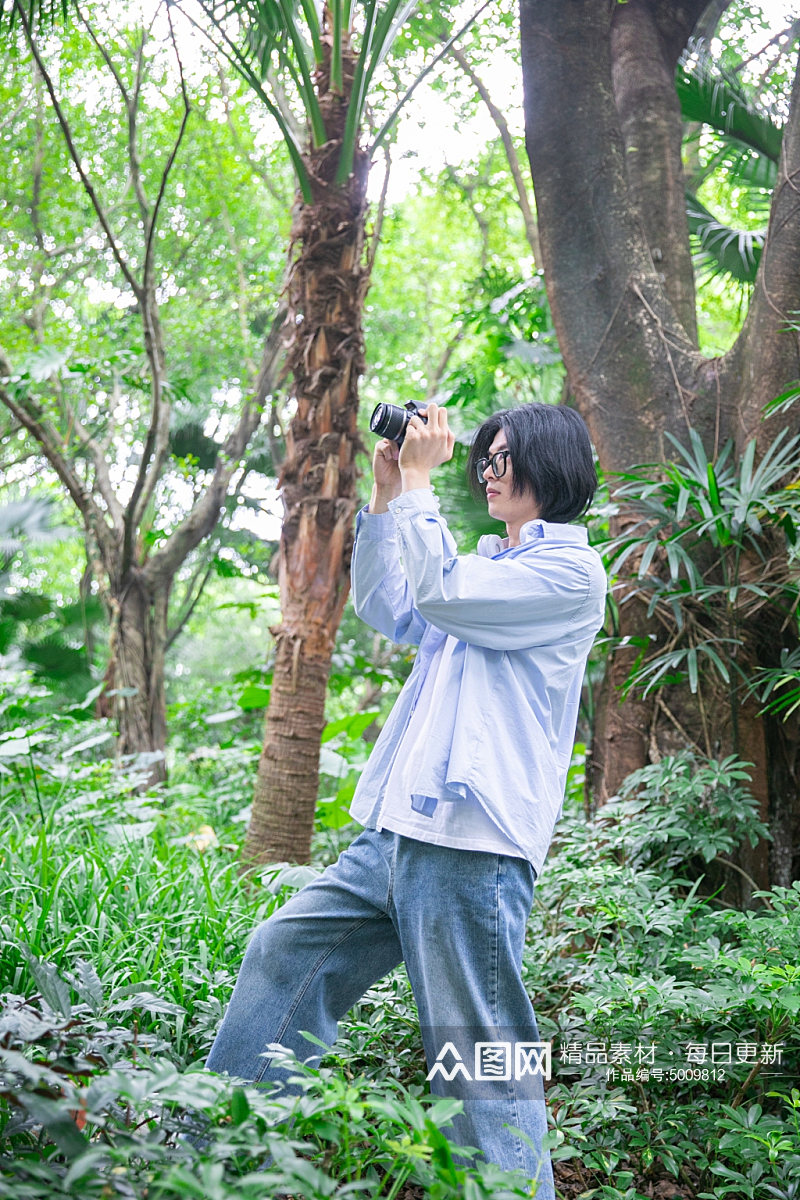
pixel 643 74
pixel 135 671
pixel 603 134
pixel 327 284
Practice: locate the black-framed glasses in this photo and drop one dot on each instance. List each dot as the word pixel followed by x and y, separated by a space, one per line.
pixel 498 462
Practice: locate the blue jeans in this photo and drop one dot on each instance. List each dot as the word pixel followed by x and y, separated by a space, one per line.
pixel 457 919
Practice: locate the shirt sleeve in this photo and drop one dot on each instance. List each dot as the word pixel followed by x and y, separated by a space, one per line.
pixel 380 591
pixel 509 603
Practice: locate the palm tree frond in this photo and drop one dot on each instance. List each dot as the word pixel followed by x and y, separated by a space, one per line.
pixel 269 28
pixel 718 99
pixel 42 13
pixel 747 168
pixel 358 93
pixel 336 50
pixel 723 250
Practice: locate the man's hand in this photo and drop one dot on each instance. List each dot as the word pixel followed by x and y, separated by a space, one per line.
pixel 425 446
pixel 384 466
pixel 386 474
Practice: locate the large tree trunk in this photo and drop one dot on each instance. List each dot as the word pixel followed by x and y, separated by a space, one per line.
pixel 136 672
pixel 326 290
pixel 603 138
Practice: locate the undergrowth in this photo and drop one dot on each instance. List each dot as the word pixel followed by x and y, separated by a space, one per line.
pixel 673 1018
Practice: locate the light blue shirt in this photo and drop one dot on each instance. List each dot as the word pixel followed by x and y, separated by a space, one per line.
pixel 522 620
pixel 464 825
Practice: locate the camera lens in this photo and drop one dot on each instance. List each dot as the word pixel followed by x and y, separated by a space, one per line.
pixel 389 421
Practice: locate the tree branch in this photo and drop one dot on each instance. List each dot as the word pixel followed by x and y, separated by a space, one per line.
pixel 389 122
pixel 620 356
pixel 766 354
pixel 156 446
pixel 205 514
pixel 73 153
pixel 709 19
pixel 99 453
pixel 107 59
pixel 676 19
pixel 531 232
pixel 38 161
pixel 468 188
pixel 266 178
pixel 444 359
pixel 236 254
pixel 377 226
pixel 173 154
pixel 791 31
pixel 205 571
pixel 92 515
pixel 189 608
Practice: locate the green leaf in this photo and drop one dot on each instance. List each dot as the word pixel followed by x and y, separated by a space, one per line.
pixel 54 990
pixel 721 249
pixel 44 364
pixel 332 814
pixel 353 725
pixel 715 658
pixel 240 1106
pixel 355 107
pixel 27 606
pixel 148 1002
pixel 240 59
pixel 713 487
pixel 312 20
pixel 647 557
pixel 254 697
pixel 281 875
pixel 53 1115
pixel 717 98
pixel 96 739
pixel 55 658
pixel 87 984
pixel 390 120
pixel 784 401
pixel 42 12
pixel 336 48
pixel 13 747
pixel 331 763
pixel 308 92
pixel 221 718
pixel 8 632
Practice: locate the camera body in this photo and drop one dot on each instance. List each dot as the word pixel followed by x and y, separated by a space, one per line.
pixel 391 420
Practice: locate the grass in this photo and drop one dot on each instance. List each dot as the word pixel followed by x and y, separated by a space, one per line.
pixel 122 929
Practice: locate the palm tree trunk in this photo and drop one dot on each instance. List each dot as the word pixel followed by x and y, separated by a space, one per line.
pixel 327 284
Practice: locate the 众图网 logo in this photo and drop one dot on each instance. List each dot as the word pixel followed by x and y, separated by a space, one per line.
pixel 494 1060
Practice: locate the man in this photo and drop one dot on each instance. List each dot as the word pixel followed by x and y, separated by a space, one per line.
pixel 464 785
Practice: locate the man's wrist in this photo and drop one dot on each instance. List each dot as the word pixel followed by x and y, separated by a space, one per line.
pixel 415 477
pixel 379 500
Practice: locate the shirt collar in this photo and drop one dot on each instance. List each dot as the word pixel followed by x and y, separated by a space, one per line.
pixel 535 530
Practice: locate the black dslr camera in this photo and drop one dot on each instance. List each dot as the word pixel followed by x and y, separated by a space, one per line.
pixel 391 421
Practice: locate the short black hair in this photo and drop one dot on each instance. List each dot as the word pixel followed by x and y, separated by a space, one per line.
pixel 551 456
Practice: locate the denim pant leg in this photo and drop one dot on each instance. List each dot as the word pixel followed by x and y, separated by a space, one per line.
pixel 462 915
pixel 309 963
